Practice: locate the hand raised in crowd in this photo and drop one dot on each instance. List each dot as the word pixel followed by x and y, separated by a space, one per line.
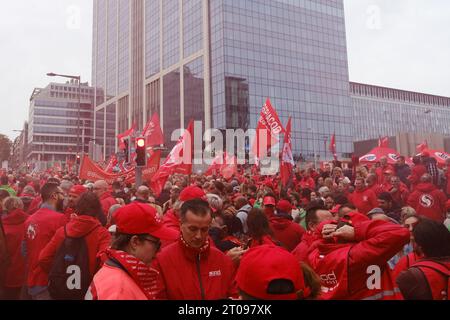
pixel 236 254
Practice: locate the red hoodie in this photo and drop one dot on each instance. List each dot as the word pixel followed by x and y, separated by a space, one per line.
pixel 34 205
pixel 107 201
pixel 416 173
pixel 428 201
pixel 13 225
pixel 39 230
pixel 303 248
pixel 287 232
pixel 97 240
pixel 194 274
pixel 346 268
pixel 364 200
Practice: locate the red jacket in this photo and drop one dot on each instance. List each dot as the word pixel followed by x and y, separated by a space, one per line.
pixel 107 201
pixel 97 240
pixel 428 201
pixel 34 205
pixel 191 274
pixel 345 269
pixel 364 200
pixel 401 196
pixel 404 263
pixel 287 232
pixel 172 221
pixel 13 225
pixel 303 248
pixel 39 230
pixel 416 172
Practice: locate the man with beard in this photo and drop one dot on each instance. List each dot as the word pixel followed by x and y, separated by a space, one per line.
pixel 39 230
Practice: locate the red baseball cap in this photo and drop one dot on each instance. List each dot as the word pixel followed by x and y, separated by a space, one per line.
pixel 191 193
pixel 269 201
pixel 284 206
pixel 263 264
pixel 140 218
pixel 447 205
pixel 78 190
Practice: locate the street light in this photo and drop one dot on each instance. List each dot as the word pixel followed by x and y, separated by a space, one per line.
pixel 78 78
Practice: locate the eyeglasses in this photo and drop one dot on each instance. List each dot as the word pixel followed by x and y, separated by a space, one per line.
pixel 157 243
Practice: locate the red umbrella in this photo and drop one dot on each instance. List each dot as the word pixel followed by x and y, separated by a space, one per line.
pixel 377 153
pixel 440 156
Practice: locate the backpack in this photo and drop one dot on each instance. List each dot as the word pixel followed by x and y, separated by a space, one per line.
pixel 70 277
pixel 439 268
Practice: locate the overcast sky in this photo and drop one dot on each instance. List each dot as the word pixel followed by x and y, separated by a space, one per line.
pixel 403 44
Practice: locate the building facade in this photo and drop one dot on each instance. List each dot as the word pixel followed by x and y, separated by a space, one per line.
pixel 19 148
pixel 54 133
pixel 218 61
pixel 380 111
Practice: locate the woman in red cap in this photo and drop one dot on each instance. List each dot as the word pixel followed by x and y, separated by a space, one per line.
pixel 127 274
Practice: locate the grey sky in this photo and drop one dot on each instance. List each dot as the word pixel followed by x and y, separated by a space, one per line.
pixel 395 43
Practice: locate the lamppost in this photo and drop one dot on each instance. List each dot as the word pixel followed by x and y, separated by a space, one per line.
pixel 78 78
pixel 314 146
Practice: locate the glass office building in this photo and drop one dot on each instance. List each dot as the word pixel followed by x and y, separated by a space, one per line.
pixel 217 61
pixel 53 125
pixel 380 111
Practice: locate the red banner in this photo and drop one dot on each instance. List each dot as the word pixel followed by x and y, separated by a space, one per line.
pixel 333 146
pixel 91 171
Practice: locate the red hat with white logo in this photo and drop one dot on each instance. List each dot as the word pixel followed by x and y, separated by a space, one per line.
pixel 263 265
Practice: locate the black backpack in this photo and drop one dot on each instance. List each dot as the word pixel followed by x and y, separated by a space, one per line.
pixel 70 277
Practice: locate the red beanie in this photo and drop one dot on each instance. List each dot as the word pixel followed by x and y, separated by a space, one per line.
pixel 191 193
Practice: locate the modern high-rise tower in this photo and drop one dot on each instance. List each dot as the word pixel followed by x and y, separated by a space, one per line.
pixel 217 61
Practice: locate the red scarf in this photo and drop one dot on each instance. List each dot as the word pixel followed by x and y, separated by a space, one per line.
pixel 144 276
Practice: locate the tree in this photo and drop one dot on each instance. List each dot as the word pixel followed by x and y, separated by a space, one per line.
pixel 5 147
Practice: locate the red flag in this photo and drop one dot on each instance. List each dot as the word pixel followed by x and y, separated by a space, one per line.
pixel 421 147
pixel 153 133
pixel 229 167
pixel 268 128
pixel 287 160
pixel 215 166
pixel 383 142
pixel 333 146
pixel 121 137
pixel 178 161
pixel 111 164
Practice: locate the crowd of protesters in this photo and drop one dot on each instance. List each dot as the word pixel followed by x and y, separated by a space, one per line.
pixel 363 232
